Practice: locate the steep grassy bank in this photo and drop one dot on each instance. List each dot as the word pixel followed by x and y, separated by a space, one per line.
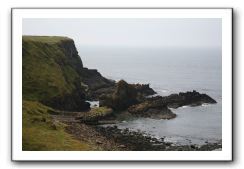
pixel 51 68
pixel 42 133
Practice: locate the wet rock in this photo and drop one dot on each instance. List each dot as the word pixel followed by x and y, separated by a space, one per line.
pixel 153 108
pixel 173 101
pixel 137 141
pixel 188 98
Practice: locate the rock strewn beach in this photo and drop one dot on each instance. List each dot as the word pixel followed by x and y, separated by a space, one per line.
pixel 138 141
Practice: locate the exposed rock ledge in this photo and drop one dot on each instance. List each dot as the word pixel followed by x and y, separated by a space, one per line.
pixel 127 98
pixel 188 98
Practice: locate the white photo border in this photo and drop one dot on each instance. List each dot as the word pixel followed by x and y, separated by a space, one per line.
pixel 18 14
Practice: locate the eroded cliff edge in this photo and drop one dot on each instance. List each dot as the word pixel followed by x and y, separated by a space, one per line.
pixel 53 73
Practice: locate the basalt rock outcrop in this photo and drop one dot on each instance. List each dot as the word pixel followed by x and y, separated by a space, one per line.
pixel 133 98
pixel 152 108
pixel 187 99
pixel 95 84
pixel 158 106
pixel 144 89
pixel 122 97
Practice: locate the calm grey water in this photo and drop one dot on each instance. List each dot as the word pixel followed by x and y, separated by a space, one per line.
pixel 168 71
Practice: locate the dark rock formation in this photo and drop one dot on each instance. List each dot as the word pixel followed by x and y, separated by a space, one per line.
pixel 101 92
pixel 153 108
pixel 133 98
pixel 96 83
pixel 69 102
pixel 144 89
pixel 124 96
pixel 189 98
pixel 157 107
pixel 94 79
pixel 109 88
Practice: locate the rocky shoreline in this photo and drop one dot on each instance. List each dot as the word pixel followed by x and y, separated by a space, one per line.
pixel 123 101
pixel 131 100
pixel 111 138
pixel 138 141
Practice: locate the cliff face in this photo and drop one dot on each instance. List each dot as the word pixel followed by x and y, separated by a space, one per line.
pixel 53 73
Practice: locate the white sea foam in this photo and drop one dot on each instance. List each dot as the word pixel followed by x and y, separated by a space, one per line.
pixel 93 103
pixel 185 106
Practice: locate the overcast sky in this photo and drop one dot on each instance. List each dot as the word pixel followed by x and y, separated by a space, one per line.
pixel 193 33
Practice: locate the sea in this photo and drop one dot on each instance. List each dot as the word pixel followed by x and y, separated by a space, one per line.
pixel 168 70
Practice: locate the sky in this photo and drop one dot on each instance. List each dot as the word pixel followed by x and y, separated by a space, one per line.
pixel 152 32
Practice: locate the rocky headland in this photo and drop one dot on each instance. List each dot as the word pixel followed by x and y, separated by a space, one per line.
pixel 56 87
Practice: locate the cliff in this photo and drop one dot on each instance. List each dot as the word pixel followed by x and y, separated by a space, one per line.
pixel 54 79
pixel 53 73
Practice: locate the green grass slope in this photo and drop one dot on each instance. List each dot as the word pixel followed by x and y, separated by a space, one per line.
pixel 51 72
pixel 42 133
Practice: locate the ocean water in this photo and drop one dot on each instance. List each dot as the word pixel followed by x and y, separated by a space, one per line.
pixel 168 70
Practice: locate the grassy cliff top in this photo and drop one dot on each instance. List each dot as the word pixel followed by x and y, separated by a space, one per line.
pixel 46 39
pixel 51 70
